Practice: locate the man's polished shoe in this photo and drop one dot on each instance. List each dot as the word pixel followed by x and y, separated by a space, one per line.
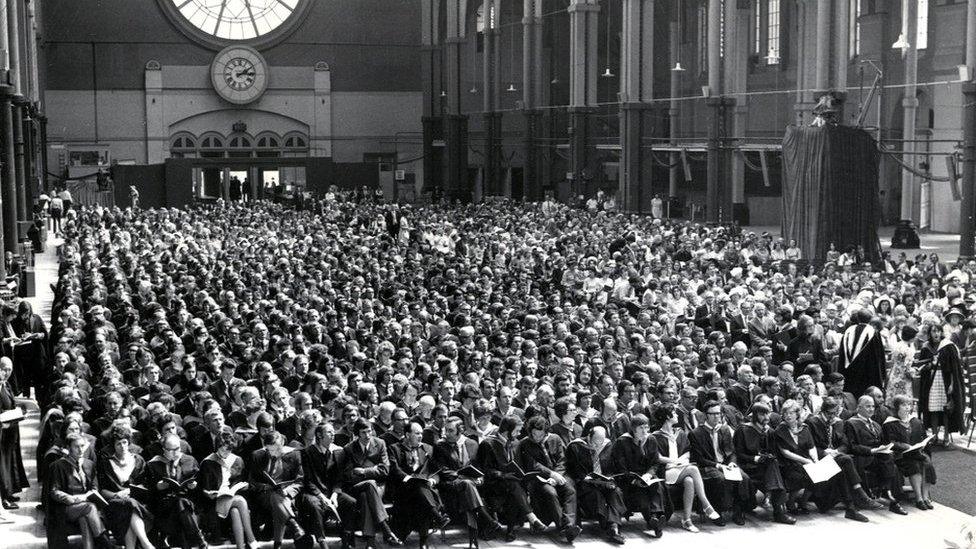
pixel 9 505
pixel 442 521
pixel 864 501
pixel 738 518
pixel 392 540
pixel 897 509
pixel 491 529
pixel 920 505
pixel 570 531
pixel 854 514
pixel 654 524
pixel 537 528
pixel 613 535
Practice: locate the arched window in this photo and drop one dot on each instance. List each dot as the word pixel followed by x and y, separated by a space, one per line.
pixel 240 145
pixel 296 144
pixel 211 146
pixel 183 145
pixel 268 145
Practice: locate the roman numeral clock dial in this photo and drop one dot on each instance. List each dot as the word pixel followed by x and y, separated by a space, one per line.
pixel 239 74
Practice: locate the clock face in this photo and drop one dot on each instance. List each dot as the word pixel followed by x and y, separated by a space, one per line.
pixel 239 74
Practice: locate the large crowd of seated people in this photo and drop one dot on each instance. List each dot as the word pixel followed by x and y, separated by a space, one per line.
pixel 367 371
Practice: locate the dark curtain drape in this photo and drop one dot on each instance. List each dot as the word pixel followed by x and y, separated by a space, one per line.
pixel 830 190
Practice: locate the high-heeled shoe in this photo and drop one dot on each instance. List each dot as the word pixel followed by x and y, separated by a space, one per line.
pixel 714 516
pixel 689 526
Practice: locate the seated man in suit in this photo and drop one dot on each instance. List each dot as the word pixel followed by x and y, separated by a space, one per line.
pixel 834 383
pixel 275 477
pixel 598 497
pixel 551 494
pixel 174 512
pixel 366 465
pixel 864 437
pixel 321 498
pixel 454 453
pixel 502 487
pixel 711 446
pixel 412 486
pixel 206 439
pixel 636 452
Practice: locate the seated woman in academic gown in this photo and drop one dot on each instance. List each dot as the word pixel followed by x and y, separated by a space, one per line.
pixel 118 470
pixel 13 477
pixel 585 458
pixel 636 452
pixel 673 450
pixel 904 430
pixel 219 477
pixel 755 457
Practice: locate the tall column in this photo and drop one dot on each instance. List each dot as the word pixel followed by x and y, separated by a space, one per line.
pixel 490 82
pixel 637 91
pixel 13 41
pixel 967 210
pixel 718 202
pixel 823 47
pixel 8 197
pixel 8 189
pixel 36 184
pixel 42 144
pixel 736 67
pixel 457 185
pixel 531 68
pixel 842 55
pixel 430 67
pixel 673 110
pixel 905 236
pixel 582 88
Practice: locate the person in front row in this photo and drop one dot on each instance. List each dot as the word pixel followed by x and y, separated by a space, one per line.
pixel 597 497
pixel 636 452
pixel 220 471
pixel 902 431
pixel 170 479
pixel 677 470
pixel 827 430
pixel 118 470
pixel 754 455
pixel 452 454
pixel 551 494
pixel 871 454
pixel 366 465
pixel 711 446
pixel 412 487
pixel 275 477
pixel 73 480
pixel 321 499
pixel 503 488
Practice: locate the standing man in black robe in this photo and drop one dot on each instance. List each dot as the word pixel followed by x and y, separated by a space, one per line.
pixel 861 358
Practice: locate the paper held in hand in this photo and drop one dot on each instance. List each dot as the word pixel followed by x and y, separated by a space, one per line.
pixel 15 414
pixel 919 445
pixel 732 472
pixel 823 470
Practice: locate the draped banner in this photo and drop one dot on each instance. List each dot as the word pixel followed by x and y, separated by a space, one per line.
pixel 830 190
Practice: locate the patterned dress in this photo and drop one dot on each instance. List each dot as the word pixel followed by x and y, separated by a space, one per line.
pixel 902 371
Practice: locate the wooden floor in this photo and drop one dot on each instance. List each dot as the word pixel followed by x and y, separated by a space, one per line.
pixel 919 530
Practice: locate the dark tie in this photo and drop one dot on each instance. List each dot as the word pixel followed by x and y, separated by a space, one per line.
pixel 272 463
pixel 174 471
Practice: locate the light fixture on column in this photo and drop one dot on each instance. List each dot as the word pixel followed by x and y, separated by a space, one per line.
pixel 608 73
pixel 554 81
pixel 473 90
pixel 901 44
pixel 443 93
pixel 677 67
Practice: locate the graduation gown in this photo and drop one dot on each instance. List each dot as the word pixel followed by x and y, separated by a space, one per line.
pixel 861 359
pixel 946 360
pixel 13 477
